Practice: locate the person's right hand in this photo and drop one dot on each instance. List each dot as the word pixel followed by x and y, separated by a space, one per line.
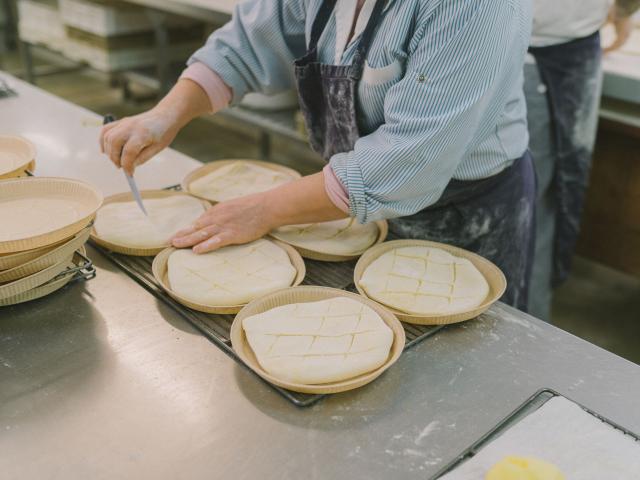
pixel 134 140
pixel 623 26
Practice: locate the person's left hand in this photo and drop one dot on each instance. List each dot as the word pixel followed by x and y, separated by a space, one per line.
pixel 623 27
pixel 234 222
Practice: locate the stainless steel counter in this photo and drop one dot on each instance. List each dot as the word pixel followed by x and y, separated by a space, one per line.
pixel 102 381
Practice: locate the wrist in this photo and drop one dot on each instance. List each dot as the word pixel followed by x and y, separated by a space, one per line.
pixel 271 213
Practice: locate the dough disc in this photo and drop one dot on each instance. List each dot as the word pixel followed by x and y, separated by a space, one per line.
pixel 340 237
pixel 230 276
pixel 123 223
pixel 319 342
pixel 425 281
pixel 237 180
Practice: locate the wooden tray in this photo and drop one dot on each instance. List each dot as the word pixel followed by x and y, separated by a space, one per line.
pixel 24 188
pixel 312 294
pixel 43 290
pixel 128 197
pixel 47 259
pixel 493 275
pixel 160 273
pixel 210 167
pixel 383 230
pixel 23 149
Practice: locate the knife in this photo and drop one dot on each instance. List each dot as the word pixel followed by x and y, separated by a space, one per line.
pixel 132 183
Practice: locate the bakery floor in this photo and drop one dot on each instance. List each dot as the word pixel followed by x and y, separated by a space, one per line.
pixel 597 303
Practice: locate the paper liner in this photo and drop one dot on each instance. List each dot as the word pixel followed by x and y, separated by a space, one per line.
pixel 22 147
pixel 160 273
pixel 46 260
pixel 12 260
pixel 81 192
pixel 22 285
pixel 128 197
pixel 210 167
pixel 303 295
pixel 383 230
pixel 494 276
pixel 43 290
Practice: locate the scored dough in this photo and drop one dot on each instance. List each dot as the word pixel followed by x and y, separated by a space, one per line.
pixel 424 281
pixel 230 276
pixel 340 237
pixel 319 342
pixel 123 223
pixel 237 180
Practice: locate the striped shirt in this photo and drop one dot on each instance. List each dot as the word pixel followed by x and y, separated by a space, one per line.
pixel 440 98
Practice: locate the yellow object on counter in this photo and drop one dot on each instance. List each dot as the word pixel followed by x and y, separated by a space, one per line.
pixel 524 468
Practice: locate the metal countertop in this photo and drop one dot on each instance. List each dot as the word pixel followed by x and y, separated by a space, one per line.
pixel 102 381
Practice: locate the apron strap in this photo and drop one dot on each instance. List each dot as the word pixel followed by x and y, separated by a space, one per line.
pixel 320 23
pixel 367 39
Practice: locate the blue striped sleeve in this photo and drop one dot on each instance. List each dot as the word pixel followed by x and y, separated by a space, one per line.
pixel 254 52
pixel 457 81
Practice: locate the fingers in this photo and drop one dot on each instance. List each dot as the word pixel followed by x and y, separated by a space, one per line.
pixel 619 42
pixel 196 237
pixel 147 152
pixel 130 157
pixel 106 128
pixel 214 243
pixel 184 232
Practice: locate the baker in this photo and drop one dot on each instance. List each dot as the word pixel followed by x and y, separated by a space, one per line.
pixel 417 106
pixel 563 80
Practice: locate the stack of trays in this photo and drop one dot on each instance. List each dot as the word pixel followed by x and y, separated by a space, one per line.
pixel 17 157
pixel 46 222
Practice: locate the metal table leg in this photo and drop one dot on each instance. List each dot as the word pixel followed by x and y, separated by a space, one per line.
pixel 265 145
pixel 158 19
pixel 27 61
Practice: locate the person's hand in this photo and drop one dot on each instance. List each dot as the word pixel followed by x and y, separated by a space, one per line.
pixel 134 140
pixel 623 26
pixel 234 222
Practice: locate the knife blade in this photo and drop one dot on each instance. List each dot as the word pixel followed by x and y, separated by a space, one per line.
pixel 130 180
pixel 136 193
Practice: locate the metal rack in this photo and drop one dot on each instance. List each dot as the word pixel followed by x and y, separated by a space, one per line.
pixel 83 270
pixel 217 327
pixel 5 90
pixel 529 406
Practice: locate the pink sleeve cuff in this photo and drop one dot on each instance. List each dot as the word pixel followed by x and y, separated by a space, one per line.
pixel 218 92
pixel 336 191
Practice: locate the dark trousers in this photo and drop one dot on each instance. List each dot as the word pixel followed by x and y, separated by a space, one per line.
pixel 493 217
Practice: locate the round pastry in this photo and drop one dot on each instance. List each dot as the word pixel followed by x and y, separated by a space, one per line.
pixel 340 237
pixel 523 468
pixel 319 342
pixel 237 179
pixel 424 281
pixel 233 275
pixel 123 223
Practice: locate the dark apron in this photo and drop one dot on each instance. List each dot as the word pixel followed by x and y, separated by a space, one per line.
pixel 563 68
pixel 492 217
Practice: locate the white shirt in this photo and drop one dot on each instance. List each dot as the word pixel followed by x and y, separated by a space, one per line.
pixel 560 21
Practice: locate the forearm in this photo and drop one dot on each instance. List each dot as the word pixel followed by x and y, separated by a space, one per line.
pixel 302 201
pixel 186 101
pixel 626 8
